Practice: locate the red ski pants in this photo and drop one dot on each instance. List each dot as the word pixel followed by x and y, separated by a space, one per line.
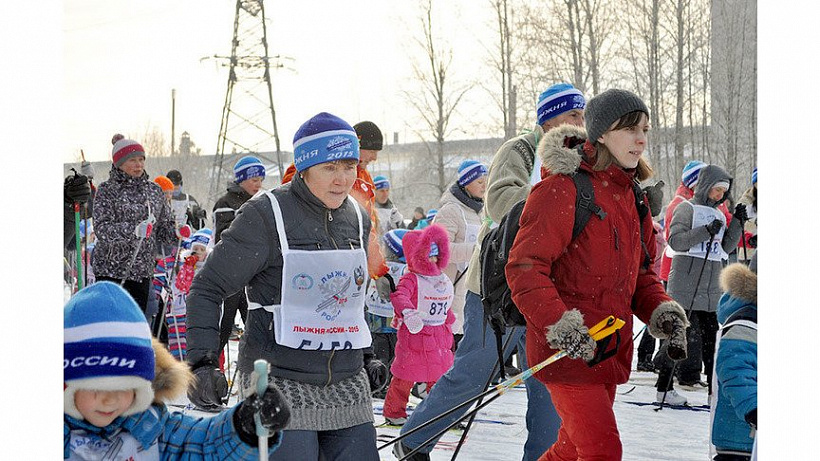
pixel 588 429
pixel 395 403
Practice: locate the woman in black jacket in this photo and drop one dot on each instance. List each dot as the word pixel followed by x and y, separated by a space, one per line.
pixel 301 251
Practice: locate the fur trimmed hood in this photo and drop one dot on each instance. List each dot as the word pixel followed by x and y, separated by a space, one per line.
pixel 557 157
pixel 739 282
pixel 171 377
pixel 417 245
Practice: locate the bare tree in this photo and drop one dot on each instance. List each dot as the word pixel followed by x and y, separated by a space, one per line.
pixel 154 142
pixel 437 101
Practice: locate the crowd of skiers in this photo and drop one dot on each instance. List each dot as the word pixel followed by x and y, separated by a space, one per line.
pixel 346 302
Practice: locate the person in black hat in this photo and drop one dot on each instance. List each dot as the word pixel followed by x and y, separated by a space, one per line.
pixel 371 142
pixel 185 207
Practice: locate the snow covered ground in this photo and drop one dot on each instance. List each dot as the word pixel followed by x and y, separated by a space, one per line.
pixel 499 432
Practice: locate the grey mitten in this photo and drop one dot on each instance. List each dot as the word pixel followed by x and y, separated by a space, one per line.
pixel 669 321
pixel 385 286
pixel 570 334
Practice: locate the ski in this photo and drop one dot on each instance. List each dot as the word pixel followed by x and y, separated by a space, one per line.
pixel 628 391
pixel 673 407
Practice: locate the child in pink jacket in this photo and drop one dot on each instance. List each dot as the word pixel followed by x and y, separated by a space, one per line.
pixel 422 303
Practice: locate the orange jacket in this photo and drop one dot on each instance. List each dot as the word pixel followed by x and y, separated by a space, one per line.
pixel 362 191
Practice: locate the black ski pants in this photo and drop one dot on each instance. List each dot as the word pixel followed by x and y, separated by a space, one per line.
pixel 700 352
pixel 138 289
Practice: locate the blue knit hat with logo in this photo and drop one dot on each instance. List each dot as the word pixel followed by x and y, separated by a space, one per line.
pixel 392 240
pixel 690 174
pixel 431 213
pixel 324 138
pixel 381 182
pixel 557 99
pixel 754 176
pixel 202 237
pixel 248 167
pixel 106 346
pixel 469 171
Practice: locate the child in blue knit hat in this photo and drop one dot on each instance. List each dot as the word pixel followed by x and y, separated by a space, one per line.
pixel 116 379
pixel 379 313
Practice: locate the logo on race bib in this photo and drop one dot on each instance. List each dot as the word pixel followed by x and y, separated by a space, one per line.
pixel 358 275
pixel 440 286
pixel 302 282
pixel 333 286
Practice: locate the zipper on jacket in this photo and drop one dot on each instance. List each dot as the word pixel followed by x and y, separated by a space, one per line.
pixel 329 371
pixel 617 239
pixel 327 230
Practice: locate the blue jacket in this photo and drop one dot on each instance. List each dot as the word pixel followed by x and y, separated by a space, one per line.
pixel 164 435
pixel 157 434
pixel 736 363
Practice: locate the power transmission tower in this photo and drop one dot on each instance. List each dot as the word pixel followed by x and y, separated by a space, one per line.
pixel 248 124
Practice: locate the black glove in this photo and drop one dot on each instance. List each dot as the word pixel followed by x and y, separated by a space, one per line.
pixel 197 212
pixel 76 188
pixel 740 212
pixel 714 227
pixel 751 418
pixel 376 372
pixel 753 241
pixel 384 286
pixel 209 388
pixel 273 409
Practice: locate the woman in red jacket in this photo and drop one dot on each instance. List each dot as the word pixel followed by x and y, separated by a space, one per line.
pixel 563 286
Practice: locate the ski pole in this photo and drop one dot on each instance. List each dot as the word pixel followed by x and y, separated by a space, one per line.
pixel 233 380
pixel 688 314
pixel 479 402
pixel 601 330
pixel 260 366
pixel 79 247
pixel 639 333
pixel 85 222
pixel 170 295
pixel 150 219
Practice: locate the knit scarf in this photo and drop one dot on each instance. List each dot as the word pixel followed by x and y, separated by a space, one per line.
pixel 475 204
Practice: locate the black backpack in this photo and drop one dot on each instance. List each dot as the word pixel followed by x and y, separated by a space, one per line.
pixel 499 309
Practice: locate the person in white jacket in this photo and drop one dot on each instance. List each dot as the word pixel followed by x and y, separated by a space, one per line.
pixel 460 212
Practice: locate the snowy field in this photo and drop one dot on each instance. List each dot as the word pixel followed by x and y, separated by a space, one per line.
pixel 499 431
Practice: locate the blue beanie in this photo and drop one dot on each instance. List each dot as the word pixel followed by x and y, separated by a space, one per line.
pixel 754 176
pixel 324 138
pixel 557 99
pixel 106 346
pixel 690 174
pixel 431 213
pixel 248 167
pixel 393 241
pixel 202 237
pixel 469 171
pixel 381 182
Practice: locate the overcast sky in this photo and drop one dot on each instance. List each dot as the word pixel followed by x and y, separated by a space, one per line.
pixel 122 58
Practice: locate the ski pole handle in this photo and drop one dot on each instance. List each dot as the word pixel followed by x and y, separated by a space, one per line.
pixel 260 366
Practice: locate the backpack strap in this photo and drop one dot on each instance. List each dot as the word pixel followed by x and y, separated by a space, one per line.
pixel 585 205
pixel 643 210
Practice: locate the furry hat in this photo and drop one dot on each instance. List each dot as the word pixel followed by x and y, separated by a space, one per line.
pixel 740 282
pixel 418 246
pixel 106 346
